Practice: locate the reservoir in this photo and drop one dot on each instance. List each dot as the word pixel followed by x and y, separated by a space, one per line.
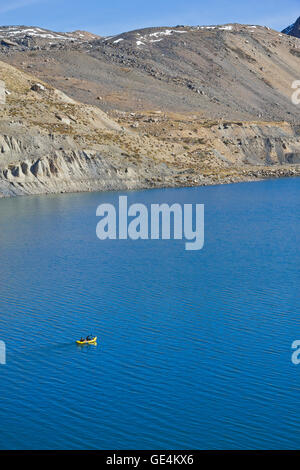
pixel 194 347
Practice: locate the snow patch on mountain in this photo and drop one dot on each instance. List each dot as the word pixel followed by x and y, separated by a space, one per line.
pixel 22 32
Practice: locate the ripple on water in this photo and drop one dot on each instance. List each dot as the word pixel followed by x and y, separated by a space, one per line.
pixel 194 348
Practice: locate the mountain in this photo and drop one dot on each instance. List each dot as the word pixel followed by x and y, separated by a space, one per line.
pixel 294 29
pixel 148 108
pixel 222 72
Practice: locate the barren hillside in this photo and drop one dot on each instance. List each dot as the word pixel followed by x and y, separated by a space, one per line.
pixel 230 71
pixel 184 106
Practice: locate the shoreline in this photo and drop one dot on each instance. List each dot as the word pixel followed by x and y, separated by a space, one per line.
pixel 253 175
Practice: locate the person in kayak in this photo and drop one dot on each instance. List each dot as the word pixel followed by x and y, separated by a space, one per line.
pixel 82 339
pixel 88 338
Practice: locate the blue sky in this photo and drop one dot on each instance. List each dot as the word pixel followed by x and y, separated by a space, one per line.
pixel 112 17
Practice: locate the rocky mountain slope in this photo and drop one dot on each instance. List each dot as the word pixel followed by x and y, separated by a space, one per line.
pixel 184 106
pixel 51 143
pixel 294 29
pixel 227 71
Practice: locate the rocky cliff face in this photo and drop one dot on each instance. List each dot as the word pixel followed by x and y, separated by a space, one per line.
pixel 40 162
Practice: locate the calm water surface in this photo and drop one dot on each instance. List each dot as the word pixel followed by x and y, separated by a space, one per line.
pixel 195 347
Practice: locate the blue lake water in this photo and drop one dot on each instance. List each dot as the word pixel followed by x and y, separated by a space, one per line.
pixel 195 346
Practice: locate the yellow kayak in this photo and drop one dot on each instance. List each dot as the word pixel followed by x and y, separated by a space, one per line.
pixel 91 341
